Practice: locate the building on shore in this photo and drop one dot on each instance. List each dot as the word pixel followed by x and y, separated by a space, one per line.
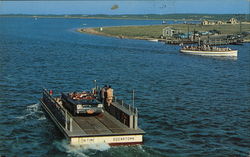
pixel 232 21
pixel 206 22
pixel 219 22
pixel 169 32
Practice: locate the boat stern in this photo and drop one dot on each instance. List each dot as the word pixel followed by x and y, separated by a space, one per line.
pixel 110 140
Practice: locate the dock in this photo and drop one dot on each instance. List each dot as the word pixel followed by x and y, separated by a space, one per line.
pixel 118 125
pixel 214 40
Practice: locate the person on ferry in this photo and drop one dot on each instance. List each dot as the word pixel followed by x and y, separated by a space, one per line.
pixel 73 95
pixel 110 95
pixel 103 93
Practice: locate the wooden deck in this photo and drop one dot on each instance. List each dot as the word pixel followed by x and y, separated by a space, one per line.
pixel 104 124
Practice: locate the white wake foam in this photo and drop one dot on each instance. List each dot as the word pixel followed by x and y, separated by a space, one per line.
pixel 33 111
pixel 82 150
pixel 33 108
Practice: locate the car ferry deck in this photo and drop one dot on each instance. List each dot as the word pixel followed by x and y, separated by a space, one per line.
pixel 117 125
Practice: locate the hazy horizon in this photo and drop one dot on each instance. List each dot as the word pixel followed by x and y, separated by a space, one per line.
pixel 125 7
pixel 121 14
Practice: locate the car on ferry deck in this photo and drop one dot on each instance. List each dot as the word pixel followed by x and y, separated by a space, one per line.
pixel 81 103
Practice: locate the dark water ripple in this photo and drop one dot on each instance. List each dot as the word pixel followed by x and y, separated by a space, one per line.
pixel 188 105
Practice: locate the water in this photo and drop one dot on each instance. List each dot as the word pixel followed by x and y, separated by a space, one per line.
pixel 188 105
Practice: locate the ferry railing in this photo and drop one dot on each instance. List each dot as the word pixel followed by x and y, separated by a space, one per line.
pixel 129 107
pixel 61 115
pixel 131 120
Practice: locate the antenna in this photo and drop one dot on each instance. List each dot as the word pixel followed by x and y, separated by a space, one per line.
pixel 94 83
pixel 95 89
pixel 133 97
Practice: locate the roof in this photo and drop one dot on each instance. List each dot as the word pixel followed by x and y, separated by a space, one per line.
pixel 169 28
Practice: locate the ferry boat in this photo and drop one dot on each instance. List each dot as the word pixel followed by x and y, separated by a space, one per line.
pixel 206 50
pixel 84 120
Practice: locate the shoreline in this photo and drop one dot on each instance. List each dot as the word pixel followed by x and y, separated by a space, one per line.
pixel 100 33
pixel 94 32
pixel 165 17
pixel 90 17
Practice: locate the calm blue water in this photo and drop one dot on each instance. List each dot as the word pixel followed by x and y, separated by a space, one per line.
pixel 188 105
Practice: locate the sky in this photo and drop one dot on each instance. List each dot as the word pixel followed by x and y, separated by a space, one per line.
pixel 85 7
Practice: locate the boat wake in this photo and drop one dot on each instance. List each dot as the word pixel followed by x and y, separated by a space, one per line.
pixel 83 150
pixel 101 149
pixel 33 111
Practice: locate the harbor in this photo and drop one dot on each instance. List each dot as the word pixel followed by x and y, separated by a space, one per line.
pixel 213 41
pixel 186 105
pixel 117 125
pixel 230 32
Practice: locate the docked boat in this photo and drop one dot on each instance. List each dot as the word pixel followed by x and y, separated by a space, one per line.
pixel 84 119
pixel 206 50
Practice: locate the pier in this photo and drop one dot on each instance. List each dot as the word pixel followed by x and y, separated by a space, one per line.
pixel 212 42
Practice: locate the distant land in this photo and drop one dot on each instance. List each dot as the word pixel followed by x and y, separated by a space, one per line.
pixel 154 32
pixel 184 17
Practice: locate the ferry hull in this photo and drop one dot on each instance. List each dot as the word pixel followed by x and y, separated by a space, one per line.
pixel 232 53
pixel 111 140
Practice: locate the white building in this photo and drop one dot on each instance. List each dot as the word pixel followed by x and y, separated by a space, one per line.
pixel 232 21
pixel 168 32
